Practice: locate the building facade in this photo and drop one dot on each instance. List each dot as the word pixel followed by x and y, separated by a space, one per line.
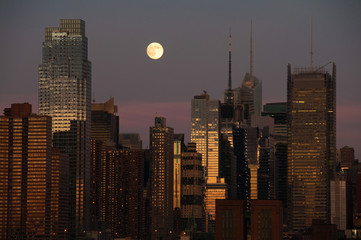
pixel 205 132
pixel 161 147
pixel 104 123
pixel 266 219
pixel 230 219
pixel 25 175
pixel 192 186
pixel 65 95
pixel 311 103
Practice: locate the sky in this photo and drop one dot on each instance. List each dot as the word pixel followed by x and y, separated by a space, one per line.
pixel 194 35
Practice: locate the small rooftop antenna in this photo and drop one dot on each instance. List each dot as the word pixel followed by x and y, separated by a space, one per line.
pixel 230 61
pixel 311 66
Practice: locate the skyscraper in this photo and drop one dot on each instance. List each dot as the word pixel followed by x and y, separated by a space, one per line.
pixel 278 111
pixel 206 134
pixel 104 123
pixel 179 148
pixel 311 103
pixel 161 146
pixel 65 95
pixel 25 174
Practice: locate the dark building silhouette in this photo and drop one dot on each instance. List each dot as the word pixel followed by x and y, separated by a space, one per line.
pixel 59 219
pixel 230 219
pixel 104 123
pixel 95 184
pixel 161 147
pixel 121 207
pixel 130 141
pixel 243 172
pixel 278 111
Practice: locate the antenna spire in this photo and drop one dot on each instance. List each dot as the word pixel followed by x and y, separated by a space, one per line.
pixel 311 66
pixel 230 61
pixel 251 57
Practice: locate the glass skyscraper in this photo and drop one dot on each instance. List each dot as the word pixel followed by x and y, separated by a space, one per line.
pixel 205 133
pixel 311 103
pixel 65 95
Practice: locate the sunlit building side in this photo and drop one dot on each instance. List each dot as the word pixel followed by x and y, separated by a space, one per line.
pixel 25 174
pixel 65 95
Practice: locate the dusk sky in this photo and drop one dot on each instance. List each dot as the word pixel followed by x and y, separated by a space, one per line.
pixel 194 35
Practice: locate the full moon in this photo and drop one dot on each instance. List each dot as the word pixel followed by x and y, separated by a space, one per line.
pixel 155 50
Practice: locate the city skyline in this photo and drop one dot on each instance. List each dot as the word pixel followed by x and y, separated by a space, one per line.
pixel 195 38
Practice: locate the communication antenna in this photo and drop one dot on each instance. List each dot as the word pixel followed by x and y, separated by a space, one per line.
pixel 251 57
pixel 230 61
pixel 311 66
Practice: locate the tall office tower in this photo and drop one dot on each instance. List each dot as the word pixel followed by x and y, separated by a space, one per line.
pixel 179 148
pixel 122 193
pixel 251 91
pixel 347 157
pixel 278 111
pixel 311 103
pixel 65 95
pixel 161 146
pixel 266 173
pixel 25 174
pixel 130 141
pixel 250 152
pixel 199 127
pixel 338 201
pixel 192 186
pixel 266 219
pixel 346 163
pixel 228 166
pixel 205 133
pixel 104 123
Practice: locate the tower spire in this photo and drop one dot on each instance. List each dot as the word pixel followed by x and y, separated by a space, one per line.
pixel 251 57
pixel 311 53
pixel 230 61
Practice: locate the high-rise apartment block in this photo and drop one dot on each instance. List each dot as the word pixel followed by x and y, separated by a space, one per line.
pixel 65 95
pixel 311 103
pixel 161 146
pixel 25 175
pixel 121 193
